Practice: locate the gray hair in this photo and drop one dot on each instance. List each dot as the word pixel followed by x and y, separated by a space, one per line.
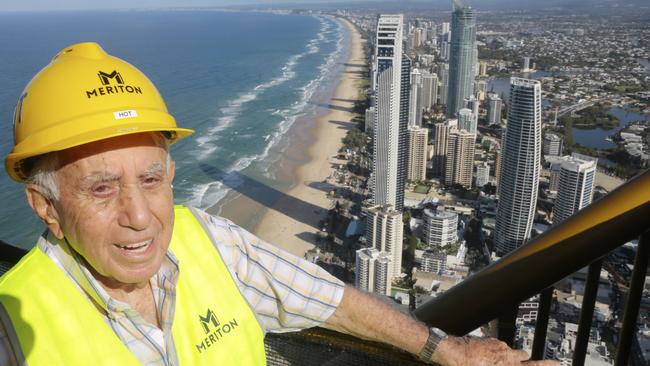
pixel 43 170
pixel 43 175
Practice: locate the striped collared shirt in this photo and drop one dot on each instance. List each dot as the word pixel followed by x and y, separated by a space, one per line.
pixel 286 293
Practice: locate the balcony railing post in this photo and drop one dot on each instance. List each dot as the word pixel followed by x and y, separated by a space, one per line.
pixel 507 326
pixel 543 312
pixel 593 232
pixel 587 312
pixel 631 314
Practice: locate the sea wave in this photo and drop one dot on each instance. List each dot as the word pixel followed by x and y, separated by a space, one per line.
pixel 298 109
pixel 207 142
pixel 208 194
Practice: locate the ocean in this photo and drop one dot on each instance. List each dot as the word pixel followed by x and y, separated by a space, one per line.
pixel 241 80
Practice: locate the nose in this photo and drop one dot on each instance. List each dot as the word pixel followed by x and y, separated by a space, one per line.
pixel 135 212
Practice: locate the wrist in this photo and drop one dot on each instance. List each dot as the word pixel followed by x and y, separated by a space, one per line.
pixel 441 356
pixel 432 344
pixel 451 350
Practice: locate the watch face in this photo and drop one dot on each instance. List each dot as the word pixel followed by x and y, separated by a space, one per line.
pixel 439 332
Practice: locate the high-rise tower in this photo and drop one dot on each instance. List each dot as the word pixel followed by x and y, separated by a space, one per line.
pixel 392 91
pixel 552 145
pixel 459 161
pixel 417 164
pixel 374 271
pixel 519 180
pixel 429 90
pixel 576 186
pixel 441 133
pixel 494 109
pixel 440 228
pixel 467 120
pixel 482 174
pixel 385 232
pixel 462 57
pixel 443 89
pixel 415 113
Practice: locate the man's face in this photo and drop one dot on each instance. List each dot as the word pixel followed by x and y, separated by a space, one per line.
pixel 116 206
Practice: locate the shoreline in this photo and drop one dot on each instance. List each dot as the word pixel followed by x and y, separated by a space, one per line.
pixel 290 220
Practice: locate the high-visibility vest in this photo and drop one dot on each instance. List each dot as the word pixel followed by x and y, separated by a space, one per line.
pixel 56 323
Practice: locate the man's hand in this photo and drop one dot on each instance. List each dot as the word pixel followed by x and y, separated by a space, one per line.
pixel 470 351
pixel 366 317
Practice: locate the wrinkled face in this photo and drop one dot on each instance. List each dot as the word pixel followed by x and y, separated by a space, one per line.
pixel 116 205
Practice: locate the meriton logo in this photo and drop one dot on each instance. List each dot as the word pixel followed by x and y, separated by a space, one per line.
pixel 113 83
pixel 214 330
pixel 205 322
pixel 105 78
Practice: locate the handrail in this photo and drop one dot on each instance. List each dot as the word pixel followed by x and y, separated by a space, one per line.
pixel 9 255
pixel 619 217
pixel 633 300
pixel 320 346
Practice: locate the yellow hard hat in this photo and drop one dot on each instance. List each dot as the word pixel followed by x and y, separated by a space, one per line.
pixel 84 95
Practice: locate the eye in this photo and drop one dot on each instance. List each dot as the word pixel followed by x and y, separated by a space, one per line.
pixel 151 181
pixel 102 189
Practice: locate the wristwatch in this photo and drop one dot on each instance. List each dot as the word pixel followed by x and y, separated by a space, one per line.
pixel 435 336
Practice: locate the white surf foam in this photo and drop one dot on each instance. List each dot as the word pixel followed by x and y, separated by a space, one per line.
pixel 207 142
pixel 298 109
pixel 208 194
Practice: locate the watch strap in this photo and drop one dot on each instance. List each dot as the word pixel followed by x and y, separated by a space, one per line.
pixel 435 336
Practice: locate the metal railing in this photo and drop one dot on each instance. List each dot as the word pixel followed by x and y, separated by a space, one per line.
pixel 583 239
pixel 319 346
pixel 496 291
pixel 9 255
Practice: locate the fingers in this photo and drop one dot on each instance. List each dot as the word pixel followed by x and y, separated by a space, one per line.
pixel 523 358
pixel 500 353
pixel 492 352
pixel 520 355
pixel 515 356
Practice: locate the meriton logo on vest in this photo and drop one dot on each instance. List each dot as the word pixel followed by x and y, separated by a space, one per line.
pixel 214 330
pixel 112 83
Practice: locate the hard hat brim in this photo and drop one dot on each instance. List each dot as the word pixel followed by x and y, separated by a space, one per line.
pixel 89 130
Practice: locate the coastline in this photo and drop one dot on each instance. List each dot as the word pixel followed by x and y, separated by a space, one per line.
pixel 290 220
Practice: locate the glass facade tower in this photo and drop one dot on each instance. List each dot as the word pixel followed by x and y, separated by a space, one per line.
pixel 461 58
pixel 519 181
pixel 392 90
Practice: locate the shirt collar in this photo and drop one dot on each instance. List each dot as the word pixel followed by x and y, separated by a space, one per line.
pixel 76 267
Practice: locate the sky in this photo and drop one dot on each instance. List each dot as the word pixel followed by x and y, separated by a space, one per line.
pixel 30 5
pixel 11 5
pixel 48 5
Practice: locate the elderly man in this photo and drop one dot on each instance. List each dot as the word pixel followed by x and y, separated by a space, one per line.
pixel 123 277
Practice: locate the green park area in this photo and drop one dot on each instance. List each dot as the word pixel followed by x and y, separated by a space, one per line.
pixel 422 188
pixel 595 116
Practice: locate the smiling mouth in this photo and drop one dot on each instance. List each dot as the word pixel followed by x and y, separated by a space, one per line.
pixel 135 247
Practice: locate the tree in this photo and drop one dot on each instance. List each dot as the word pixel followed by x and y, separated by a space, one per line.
pixel 355 140
pixel 489 189
pixel 406 219
pixel 408 254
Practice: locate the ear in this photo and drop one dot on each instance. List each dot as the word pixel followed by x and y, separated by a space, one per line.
pixel 171 170
pixel 44 208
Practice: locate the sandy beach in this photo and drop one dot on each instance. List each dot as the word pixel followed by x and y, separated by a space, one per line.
pixel 290 219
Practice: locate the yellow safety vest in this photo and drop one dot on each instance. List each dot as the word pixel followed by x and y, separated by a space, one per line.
pixel 57 325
